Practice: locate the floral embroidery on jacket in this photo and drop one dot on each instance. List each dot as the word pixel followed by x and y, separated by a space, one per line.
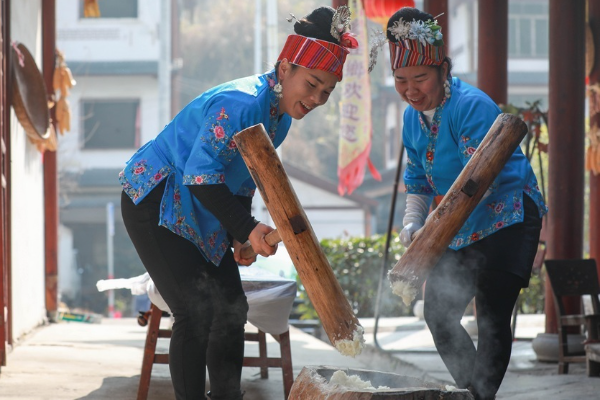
pixel 419 189
pixel 203 179
pixel 221 139
pixel 432 134
pixel 468 147
pixel 184 227
pixel 143 175
pixel 501 213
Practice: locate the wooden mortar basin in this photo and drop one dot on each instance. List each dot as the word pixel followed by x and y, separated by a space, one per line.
pixel 313 383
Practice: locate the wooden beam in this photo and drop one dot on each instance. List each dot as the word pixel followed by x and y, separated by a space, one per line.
pixel 323 289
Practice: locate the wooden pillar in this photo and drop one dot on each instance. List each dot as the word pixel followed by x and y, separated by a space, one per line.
pixel 566 140
pixel 435 8
pixel 594 79
pixel 492 49
pixel 50 164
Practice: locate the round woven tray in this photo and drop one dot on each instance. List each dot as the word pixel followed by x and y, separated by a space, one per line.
pixel 29 95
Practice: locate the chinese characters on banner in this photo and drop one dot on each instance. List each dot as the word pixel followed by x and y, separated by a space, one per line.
pixel 355 110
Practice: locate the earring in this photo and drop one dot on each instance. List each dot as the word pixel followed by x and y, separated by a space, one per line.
pixel 447 88
pixel 278 89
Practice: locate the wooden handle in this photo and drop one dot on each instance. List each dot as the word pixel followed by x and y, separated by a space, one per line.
pixel 323 289
pixel 443 224
pixel 272 238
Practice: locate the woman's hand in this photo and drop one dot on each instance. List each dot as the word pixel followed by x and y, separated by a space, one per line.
pixel 409 233
pixel 257 240
pixel 237 256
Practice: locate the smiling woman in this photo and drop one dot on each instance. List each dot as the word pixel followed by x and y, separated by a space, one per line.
pixel 490 258
pixel 187 198
pixel 303 89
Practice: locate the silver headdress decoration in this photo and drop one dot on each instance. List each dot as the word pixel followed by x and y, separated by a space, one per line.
pixel 378 40
pixel 291 18
pixel 340 23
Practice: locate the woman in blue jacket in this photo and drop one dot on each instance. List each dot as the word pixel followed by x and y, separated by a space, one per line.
pixel 187 198
pixel 491 257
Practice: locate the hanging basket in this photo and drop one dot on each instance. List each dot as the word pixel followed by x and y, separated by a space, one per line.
pixel 28 95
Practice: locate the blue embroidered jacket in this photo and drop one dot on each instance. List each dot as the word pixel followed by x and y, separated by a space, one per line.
pixel 197 148
pixel 437 155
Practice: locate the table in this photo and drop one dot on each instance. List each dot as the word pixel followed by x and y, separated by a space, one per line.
pixel 270 299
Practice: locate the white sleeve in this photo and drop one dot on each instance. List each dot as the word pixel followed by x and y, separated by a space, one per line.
pixel 417 208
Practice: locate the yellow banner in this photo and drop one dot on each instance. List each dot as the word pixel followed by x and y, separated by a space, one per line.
pixel 355 109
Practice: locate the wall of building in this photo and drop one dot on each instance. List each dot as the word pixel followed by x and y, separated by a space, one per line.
pixel 108 39
pixel 72 157
pixel 326 221
pixel 27 194
pixel 69 277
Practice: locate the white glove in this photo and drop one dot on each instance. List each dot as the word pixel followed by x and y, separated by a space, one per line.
pixel 407 233
pixel 417 208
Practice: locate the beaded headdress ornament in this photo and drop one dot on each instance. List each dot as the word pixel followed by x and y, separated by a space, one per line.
pixel 417 43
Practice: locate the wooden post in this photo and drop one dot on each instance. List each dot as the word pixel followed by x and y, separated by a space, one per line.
pixel 594 76
pixel 323 289
pixel 50 167
pixel 492 48
pixel 566 152
pixel 467 190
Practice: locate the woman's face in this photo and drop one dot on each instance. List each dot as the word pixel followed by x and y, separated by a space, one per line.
pixel 303 89
pixel 421 86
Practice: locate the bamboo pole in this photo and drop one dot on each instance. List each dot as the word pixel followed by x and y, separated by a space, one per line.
pixel 323 289
pixel 443 224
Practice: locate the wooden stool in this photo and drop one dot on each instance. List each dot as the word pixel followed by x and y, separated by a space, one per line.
pixel 263 361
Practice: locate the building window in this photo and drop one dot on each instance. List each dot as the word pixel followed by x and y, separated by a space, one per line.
pixel 114 8
pixel 110 124
pixel 528 29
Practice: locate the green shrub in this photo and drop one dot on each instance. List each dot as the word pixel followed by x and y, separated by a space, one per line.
pixel 531 299
pixel 357 264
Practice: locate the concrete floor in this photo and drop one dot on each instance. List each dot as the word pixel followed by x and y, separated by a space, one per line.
pixel 102 361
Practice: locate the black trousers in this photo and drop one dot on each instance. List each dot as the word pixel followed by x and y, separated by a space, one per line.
pixel 208 303
pixel 480 271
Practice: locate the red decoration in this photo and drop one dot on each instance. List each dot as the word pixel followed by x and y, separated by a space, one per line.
pixel 381 10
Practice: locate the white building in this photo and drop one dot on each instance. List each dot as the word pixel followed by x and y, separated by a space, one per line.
pixel 122 99
pixel 121 62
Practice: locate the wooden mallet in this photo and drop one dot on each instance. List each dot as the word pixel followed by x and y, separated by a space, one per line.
pixel 445 221
pixel 323 289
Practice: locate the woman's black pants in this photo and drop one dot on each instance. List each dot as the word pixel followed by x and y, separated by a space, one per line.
pixel 208 303
pixel 479 271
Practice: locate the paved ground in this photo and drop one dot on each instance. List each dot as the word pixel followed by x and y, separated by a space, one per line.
pixel 102 361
